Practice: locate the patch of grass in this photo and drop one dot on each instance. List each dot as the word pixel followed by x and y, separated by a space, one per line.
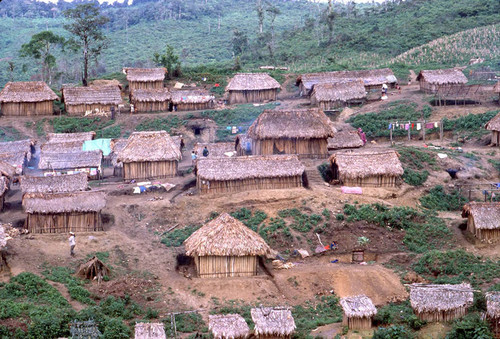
pixel 186 323
pixel 102 127
pixel 276 232
pixel 160 124
pixel 398 314
pixel 469 126
pixel 301 222
pixel 40 132
pixel 74 285
pixel 437 199
pixel 392 332
pixel 176 237
pixel 495 163
pixel 416 158
pixel 415 178
pixel 10 134
pixel 252 219
pixel 323 311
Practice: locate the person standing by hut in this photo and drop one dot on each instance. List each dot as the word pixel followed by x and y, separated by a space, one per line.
pixel 205 152
pixel 72 243
pixel 193 158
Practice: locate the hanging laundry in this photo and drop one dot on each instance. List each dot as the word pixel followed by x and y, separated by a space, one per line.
pixel 412 125
pixel 419 126
pixel 390 126
pixel 436 124
pixel 407 126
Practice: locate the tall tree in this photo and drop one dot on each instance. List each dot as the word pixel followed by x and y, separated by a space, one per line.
pixel 169 60
pixel 330 18
pixel 86 25
pixel 260 15
pixel 239 42
pixel 273 12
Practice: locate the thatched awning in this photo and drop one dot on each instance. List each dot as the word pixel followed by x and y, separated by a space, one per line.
pixel 289 124
pixel 339 91
pixel 64 202
pixel 150 95
pixel 17 146
pixel 225 326
pixel 438 298
pixel 273 321
pixel 442 76
pixel 225 236
pixel 191 97
pixel 150 146
pixel 215 149
pixel 493 124
pixel 30 91
pixel 145 74
pixel 345 139
pixel 366 164
pixel 6 169
pixel 62 147
pixel 493 304
pixel 69 160
pixel 150 331
pixel 54 184
pixel 93 95
pixel 69 137
pixel 486 214
pixel 359 306
pixel 248 167
pixel 252 82
pixel 4 184
pixel 15 160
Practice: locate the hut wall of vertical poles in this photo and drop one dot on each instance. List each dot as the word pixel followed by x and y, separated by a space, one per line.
pixel 305 148
pixel 133 85
pixel 252 87
pixel 64 222
pixel 483 220
pixel 145 78
pixel 192 100
pixel 152 100
pixel 492 311
pixel 79 100
pixel 150 169
pixel 248 96
pixel 357 323
pixel 225 266
pixel 234 186
pixel 27 99
pixel 27 108
pixel 358 312
pixel 494 126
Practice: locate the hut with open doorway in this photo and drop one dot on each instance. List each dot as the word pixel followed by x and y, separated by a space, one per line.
pixel 93 99
pixel 494 126
pixel 150 155
pixel 228 326
pixel 64 212
pixel 338 94
pixel 145 78
pixel 483 219
pixel 258 172
pixel 440 302
pixel 358 312
pixel 150 331
pixel 252 87
pixel 273 323
pixel 191 100
pixel 27 99
pixel 367 169
pixel 304 132
pixel 89 162
pixel 493 311
pixel 151 100
pixel 225 247
pixel 345 139
pixel 54 184
pixel 215 149
pixel 431 81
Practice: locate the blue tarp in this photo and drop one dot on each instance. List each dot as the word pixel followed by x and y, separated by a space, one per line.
pixel 99 144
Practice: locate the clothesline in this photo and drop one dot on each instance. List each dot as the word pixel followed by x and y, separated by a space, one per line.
pixel 413 124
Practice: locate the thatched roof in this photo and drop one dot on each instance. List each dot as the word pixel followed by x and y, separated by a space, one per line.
pixel 30 91
pixel 438 298
pixel 93 95
pixel 273 321
pixel 145 74
pixel 298 123
pixel 496 88
pixel 493 304
pixel 68 137
pixel 150 331
pixel 215 149
pixel 4 184
pixel 116 147
pixel 493 124
pixel 150 146
pixel 17 146
pixel 252 82
pixel 339 91
pixel 16 160
pixel 366 164
pixel 486 214
pixel 191 96
pixel 249 167
pixel 87 201
pixel 103 82
pixel 442 76
pixel 225 236
pixel 65 147
pixel 54 184
pixel 150 95
pixel 345 139
pixel 69 160
pixel 359 306
pixel 228 326
pixel 6 169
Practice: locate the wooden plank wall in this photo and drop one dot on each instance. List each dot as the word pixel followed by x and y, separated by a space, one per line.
pixel 81 109
pixel 231 186
pixel 144 85
pixel 185 106
pixel 27 108
pixel 372 181
pixel 356 323
pixel 313 148
pixel 151 106
pixel 443 316
pixel 149 169
pixel 242 97
pixel 64 222
pixel 224 266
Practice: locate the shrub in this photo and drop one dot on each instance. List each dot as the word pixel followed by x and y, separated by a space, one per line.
pixel 159 124
pixel 326 310
pixel 438 199
pixel 176 237
pixel 400 314
pixel 251 219
pixel 415 178
pixel 392 332
pixel 470 327
pixel 116 329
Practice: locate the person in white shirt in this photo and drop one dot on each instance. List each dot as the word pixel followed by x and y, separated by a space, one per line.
pixel 72 244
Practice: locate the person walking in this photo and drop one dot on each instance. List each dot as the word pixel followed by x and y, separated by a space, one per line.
pixel 193 158
pixel 72 244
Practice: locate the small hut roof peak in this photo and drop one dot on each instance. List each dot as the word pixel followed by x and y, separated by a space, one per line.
pixel 440 297
pixel 443 76
pixel 345 139
pixel 494 124
pixel 359 306
pixel 486 214
pixel 271 321
pixel 224 326
pixel 339 91
pixel 145 74
pixel 493 304
pixel 150 331
pixel 252 82
pixel 29 91
pixel 150 146
pixel 364 164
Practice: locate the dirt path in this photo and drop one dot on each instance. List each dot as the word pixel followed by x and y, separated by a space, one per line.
pixel 77 306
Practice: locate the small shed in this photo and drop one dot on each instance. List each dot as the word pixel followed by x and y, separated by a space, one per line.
pixel 151 100
pixel 64 212
pixel 273 323
pixel 150 331
pixel 440 302
pixel 54 184
pixel 493 311
pixel 338 94
pixel 83 100
pixel 27 99
pixel 225 247
pixel 483 219
pixel 228 326
pixel 345 139
pixel 438 79
pixel 215 149
pixel 145 78
pixel 70 137
pixel 258 172
pixel 376 169
pixel 494 126
pixel 71 162
pixel 358 312
pixel 192 100
pixel 252 87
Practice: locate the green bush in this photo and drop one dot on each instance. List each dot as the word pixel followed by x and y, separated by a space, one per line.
pixel 437 199
pixel 325 310
pixel 415 178
pixel 416 158
pixel 301 222
pixel 116 329
pixel 176 237
pixel 400 314
pixel 470 327
pixel 393 332
pixel 159 124
pixel 251 219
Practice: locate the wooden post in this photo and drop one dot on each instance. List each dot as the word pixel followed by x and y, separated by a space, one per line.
pixel 409 130
pixel 423 130
pixel 390 134
pixel 441 130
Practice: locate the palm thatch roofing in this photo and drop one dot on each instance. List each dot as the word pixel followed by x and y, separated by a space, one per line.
pixel 69 160
pixel 6 169
pixel 16 160
pixel 339 91
pixel 150 331
pixel 496 88
pixel 486 214
pixel 117 145
pixel 68 137
pixel 298 123
pixel 493 124
pixel 438 298
pixel 273 321
pixel 63 146
pixel 145 74
pixel 17 146
pixel 104 82
pixel 493 304
pixel 150 146
pixel 196 96
pixel 228 326
pixel 4 184
pixel 92 95
pixel 150 95
pixel 345 139
pixel 54 184
pixel 442 76
pixel 366 164
pixel 30 91
pixel 252 82
pixel 249 167
pixel 215 149
pixel 225 236
pixel 359 306
pixel 46 203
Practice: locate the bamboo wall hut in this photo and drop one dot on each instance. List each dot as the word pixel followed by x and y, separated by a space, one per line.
pixel 151 100
pixel 71 162
pixel 494 126
pixel 345 139
pixel 150 331
pixel 27 99
pixel 304 132
pixel 191 100
pixel 85 100
pixel 338 94
pixel 358 312
pixel 493 311
pixel 4 186
pixel 63 212
pixel 483 219
pixel 238 174
pixel 440 303
pixel 252 87
pixel 433 80
pixel 215 149
pixel 376 169
pixel 243 145
pixel 54 184
pixel 225 247
pixel 273 323
pixel 149 155
pixel 70 137
pixel 228 326
pixel 145 78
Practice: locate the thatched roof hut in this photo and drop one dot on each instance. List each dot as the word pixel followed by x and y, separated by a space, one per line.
pixel 432 80
pixel 345 139
pixel 54 184
pixel 70 137
pixel 79 100
pixel 252 87
pixel 7 170
pixel 20 146
pixel 493 305
pixel 494 126
pixel 106 83
pixel 192 100
pixel 338 94
pixel 151 100
pixel 16 160
pixel 358 312
pixel 90 161
pixel 483 219
pixel 215 149
pixel 27 98
pixel 228 326
pixel 145 78
pixel 273 322
pixel 150 331
pixel 117 145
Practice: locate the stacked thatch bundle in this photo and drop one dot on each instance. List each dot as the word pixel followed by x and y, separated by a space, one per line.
pixel 150 331
pixel 150 155
pixel 145 78
pixel 215 149
pixel 483 219
pixel 82 100
pixel 151 100
pixel 492 310
pixel 345 139
pixel 433 80
pixel 273 322
pixel 358 312
pixel 54 184
pixel 338 94
pixel 302 131
pixel 17 153
pixel 434 302
pixel 228 326
pixel 27 98
pixel 367 168
pixel 252 87
pixel 192 100
pixel 71 162
pixel 225 247
pixel 494 126
pixel 70 137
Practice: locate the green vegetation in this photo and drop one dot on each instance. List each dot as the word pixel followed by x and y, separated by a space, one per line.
pixel 74 285
pixel 177 237
pixel 323 311
pixel 251 219
pixel 103 128
pixel 469 126
pixel 415 178
pixel 160 124
pixel 470 327
pixel 301 222
pixel 391 332
pixel 437 199
pixel 10 134
pixel 186 323
pixel 398 314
